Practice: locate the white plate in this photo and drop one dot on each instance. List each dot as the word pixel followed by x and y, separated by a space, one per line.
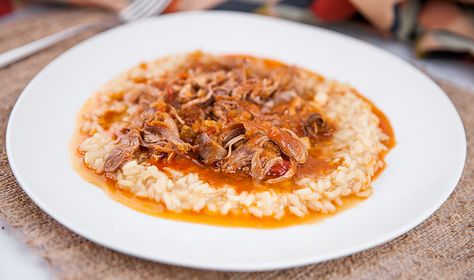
pixel 422 171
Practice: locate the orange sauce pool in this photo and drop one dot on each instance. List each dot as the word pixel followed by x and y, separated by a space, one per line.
pixel 157 209
pixel 387 129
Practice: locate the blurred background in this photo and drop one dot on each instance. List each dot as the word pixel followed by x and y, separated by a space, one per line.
pixel 435 35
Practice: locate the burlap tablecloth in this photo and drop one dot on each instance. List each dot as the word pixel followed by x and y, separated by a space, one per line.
pixel 442 247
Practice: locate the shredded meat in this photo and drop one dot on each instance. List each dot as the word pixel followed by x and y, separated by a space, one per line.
pixel 234 114
pixel 315 126
pixel 126 147
pixel 209 151
pixel 239 160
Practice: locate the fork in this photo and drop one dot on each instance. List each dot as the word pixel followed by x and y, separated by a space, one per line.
pixel 136 10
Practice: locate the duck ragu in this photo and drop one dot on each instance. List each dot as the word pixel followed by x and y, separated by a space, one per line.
pixel 231 116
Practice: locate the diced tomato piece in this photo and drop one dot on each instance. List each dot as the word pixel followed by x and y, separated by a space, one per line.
pixel 279 169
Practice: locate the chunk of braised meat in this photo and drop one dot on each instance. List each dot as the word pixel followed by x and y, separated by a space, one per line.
pixel 246 90
pixel 227 109
pixel 315 126
pixel 259 156
pixel 222 106
pixel 231 131
pixel 187 134
pixel 280 98
pixel 239 160
pixel 142 94
pixel 202 101
pixel 126 147
pixel 265 157
pixel 288 141
pixel 262 91
pixel 192 114
pixel 209 150
pixel 163 136
pixel 268 163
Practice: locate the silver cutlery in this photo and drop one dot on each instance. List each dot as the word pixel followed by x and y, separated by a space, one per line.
pixel 136 10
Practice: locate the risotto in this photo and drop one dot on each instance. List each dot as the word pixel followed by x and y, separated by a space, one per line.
pixel 233 136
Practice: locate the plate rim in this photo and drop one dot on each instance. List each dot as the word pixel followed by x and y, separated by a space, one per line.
pixel 261 266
